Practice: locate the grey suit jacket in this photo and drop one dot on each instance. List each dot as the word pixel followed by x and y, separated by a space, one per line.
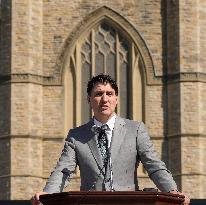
pixel 130 144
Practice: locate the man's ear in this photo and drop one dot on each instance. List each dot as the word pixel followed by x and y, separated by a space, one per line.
pixel 116 99
pixel 88 99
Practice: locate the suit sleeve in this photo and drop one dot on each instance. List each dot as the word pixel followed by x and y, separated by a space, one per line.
pixel 65 168
pixel 156 169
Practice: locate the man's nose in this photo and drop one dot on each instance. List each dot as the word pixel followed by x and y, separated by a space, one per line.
pixel 104 97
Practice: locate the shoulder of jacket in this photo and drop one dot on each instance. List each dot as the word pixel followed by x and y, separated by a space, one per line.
pixel 83 126
pixel 80 129
pixel 132 122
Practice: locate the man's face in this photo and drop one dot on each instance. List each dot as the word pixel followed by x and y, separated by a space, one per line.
pixel 103 101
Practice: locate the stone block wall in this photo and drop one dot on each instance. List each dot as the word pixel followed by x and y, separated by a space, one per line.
pixel 36 34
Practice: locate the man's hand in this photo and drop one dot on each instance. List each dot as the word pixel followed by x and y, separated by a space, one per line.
pixel 187 199
pixel 35 198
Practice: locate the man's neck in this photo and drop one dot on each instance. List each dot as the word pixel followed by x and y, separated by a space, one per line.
pixel 105 119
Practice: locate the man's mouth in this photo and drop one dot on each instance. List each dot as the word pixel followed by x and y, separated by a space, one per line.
pixel 104 106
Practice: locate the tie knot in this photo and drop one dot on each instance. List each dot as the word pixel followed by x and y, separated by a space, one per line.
pixel 101 129
pixel 104 127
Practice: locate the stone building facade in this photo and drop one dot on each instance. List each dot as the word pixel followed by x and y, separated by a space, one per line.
pixel 155 49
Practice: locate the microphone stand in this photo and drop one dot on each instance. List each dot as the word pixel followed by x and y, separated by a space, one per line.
pixel 110 170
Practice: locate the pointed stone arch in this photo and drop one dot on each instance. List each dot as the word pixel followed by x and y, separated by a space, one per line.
pixel 106 13
pixel 141 67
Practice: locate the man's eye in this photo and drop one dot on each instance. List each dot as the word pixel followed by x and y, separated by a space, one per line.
pixel 110 93
pixel 98 94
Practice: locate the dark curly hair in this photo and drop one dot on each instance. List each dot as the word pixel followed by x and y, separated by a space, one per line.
pixel 104 79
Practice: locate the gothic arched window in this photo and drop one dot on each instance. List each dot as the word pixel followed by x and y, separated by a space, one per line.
pixel 105 49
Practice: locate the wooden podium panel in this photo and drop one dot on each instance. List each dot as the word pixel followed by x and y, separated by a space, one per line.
pixel 111 198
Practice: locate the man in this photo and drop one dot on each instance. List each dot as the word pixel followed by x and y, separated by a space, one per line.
pixel 107 157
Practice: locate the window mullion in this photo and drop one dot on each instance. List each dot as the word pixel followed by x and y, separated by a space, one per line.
pixel 78 85
pixel 93 52
pixel 105 70
pixel 131 102
pixel 117 70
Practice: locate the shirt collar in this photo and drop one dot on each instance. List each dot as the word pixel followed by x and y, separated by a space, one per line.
pixel 110 122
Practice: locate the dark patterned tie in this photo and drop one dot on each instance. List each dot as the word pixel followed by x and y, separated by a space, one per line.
pixel 103 143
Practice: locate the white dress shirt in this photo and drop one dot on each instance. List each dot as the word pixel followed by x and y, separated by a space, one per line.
pixel 110 124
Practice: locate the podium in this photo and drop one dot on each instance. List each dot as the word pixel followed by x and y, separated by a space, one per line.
pixel 111 198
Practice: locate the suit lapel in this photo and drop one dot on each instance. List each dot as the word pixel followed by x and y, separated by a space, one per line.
pixel 92 143
pixel 118 137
